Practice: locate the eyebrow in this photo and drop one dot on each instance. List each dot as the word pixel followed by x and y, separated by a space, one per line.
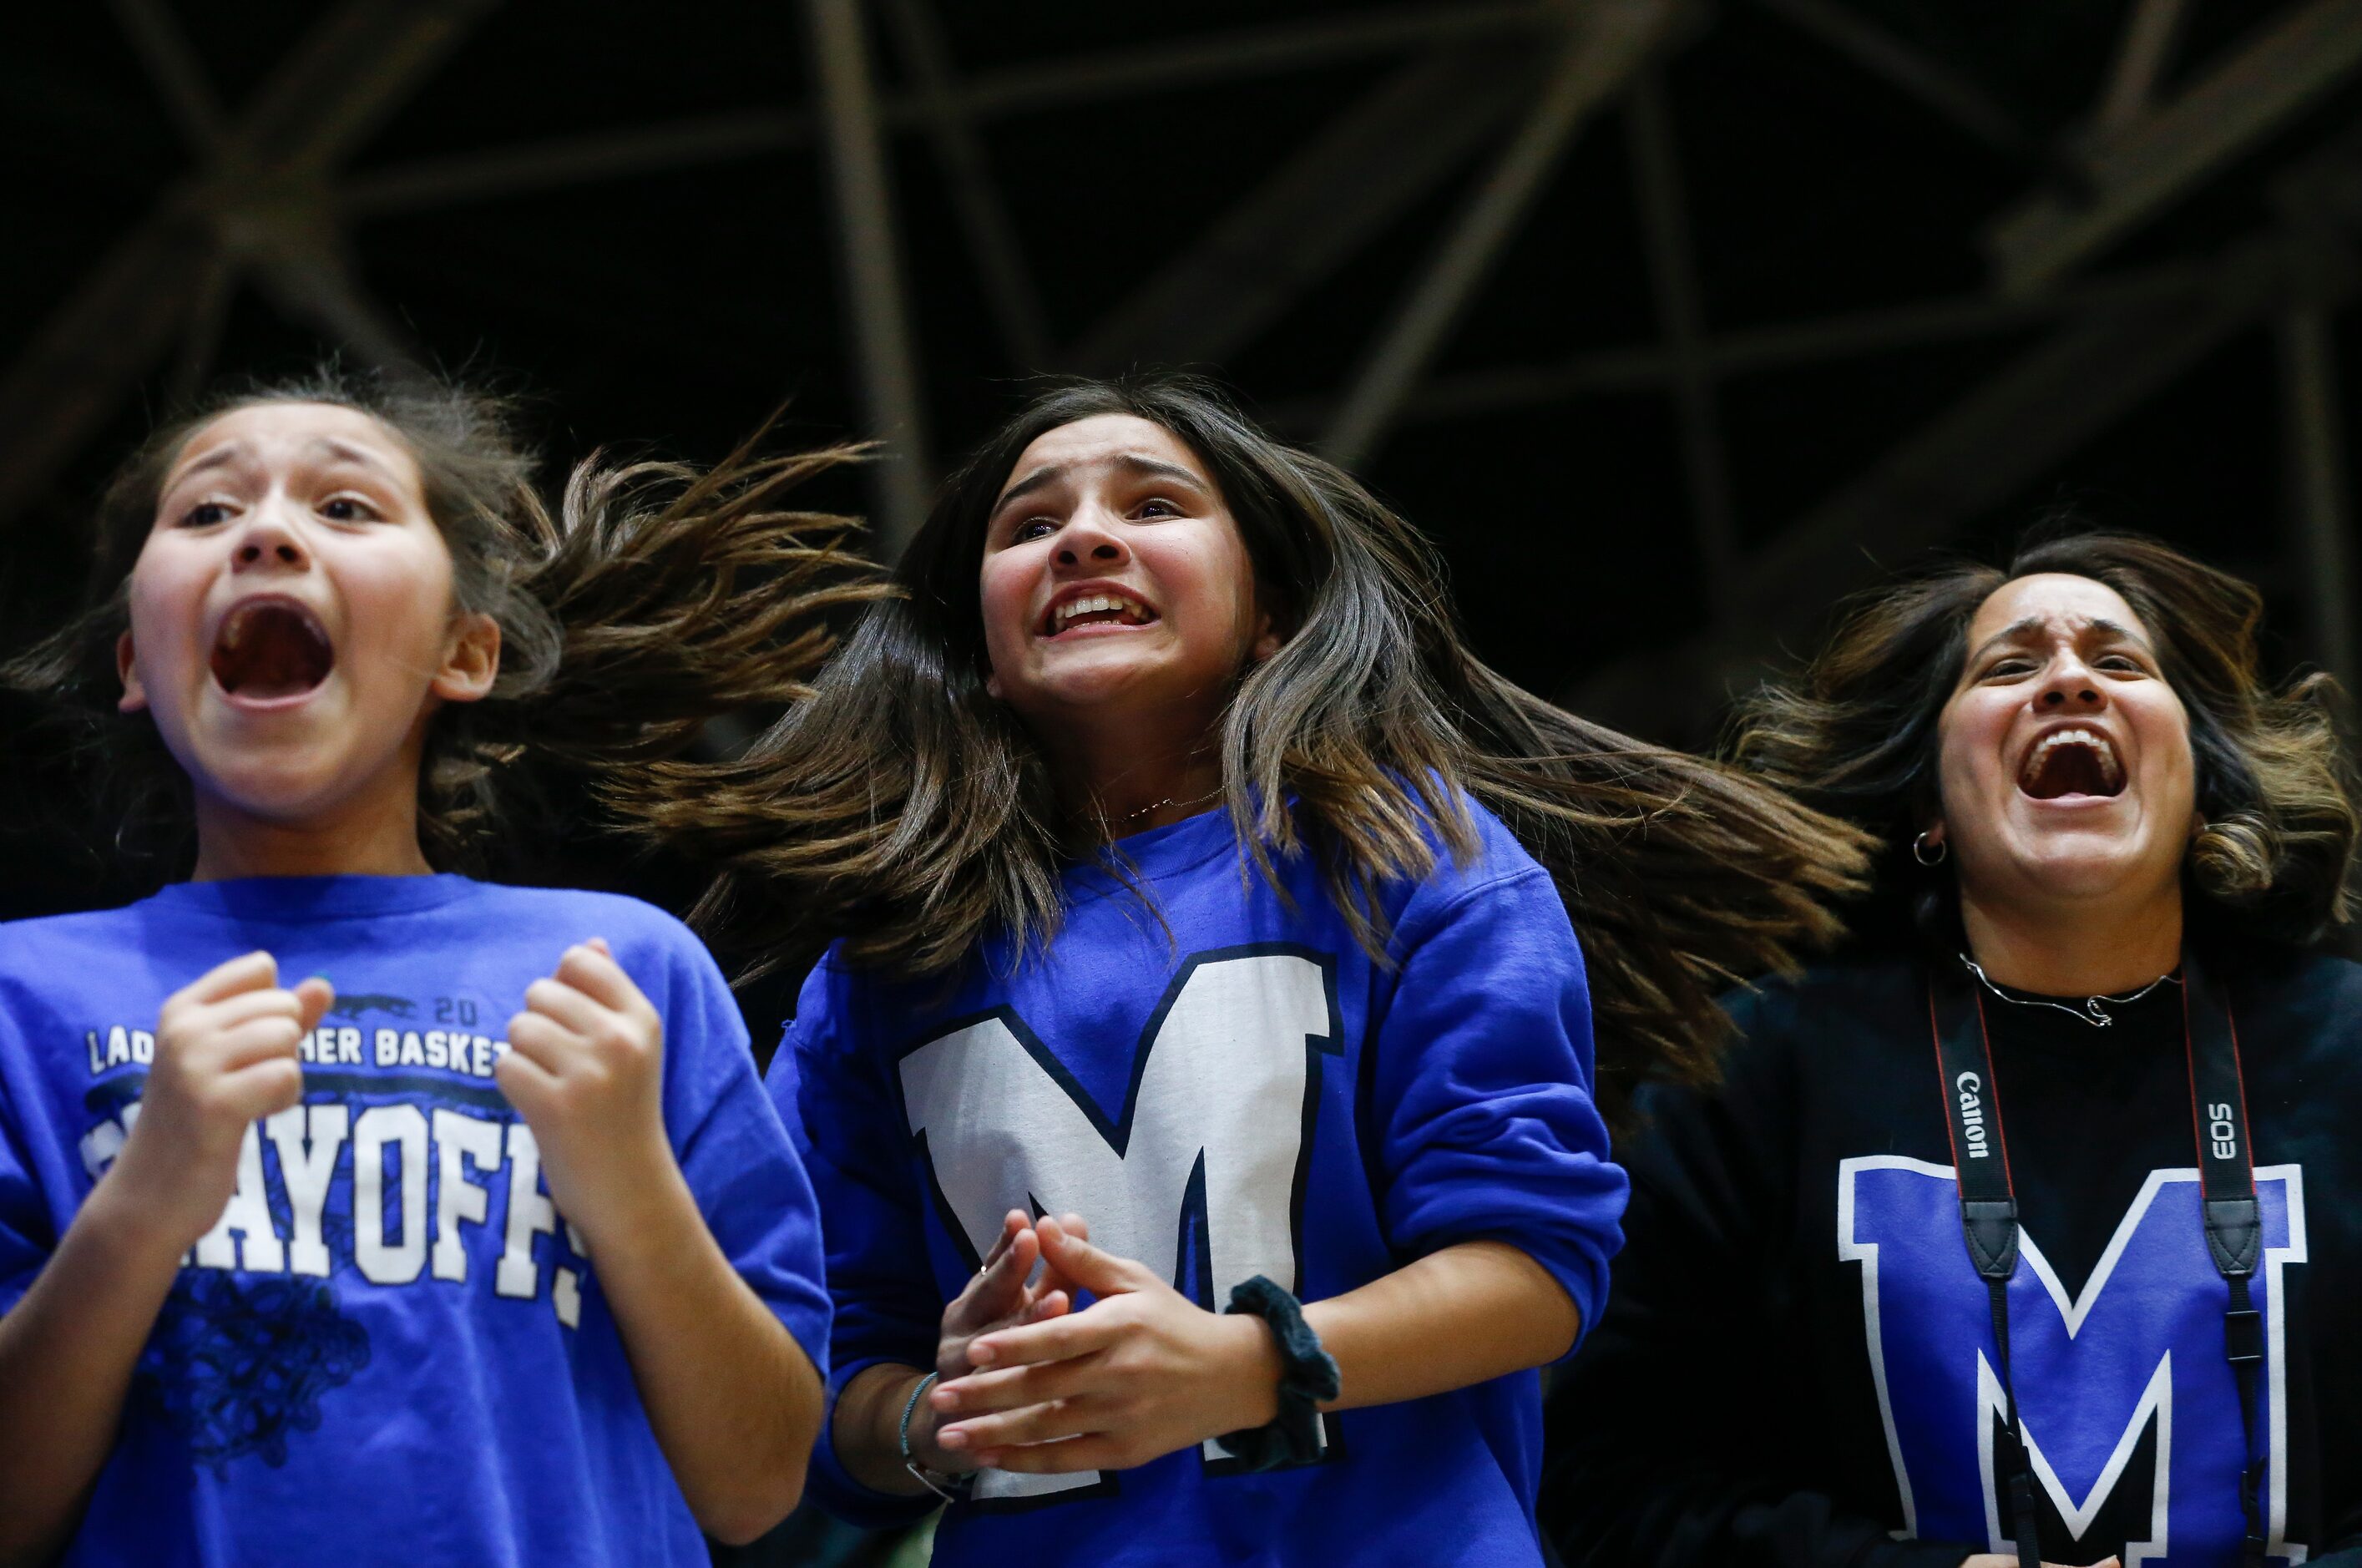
pixel 233 451
pixel 351 454
pixel 2018 629
pixel 220 457
pixel 2101 623
pixel 1131 462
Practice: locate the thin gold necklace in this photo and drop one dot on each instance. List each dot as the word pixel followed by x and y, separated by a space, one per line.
pixel 1130 817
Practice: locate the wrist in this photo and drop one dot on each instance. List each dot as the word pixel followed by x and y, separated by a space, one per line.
pixel 133 1226
pixel 1252 1352
pixel 641 1201
pixel 947 1475
pixel 863 1428
pixel 916 1432
pixel 1308 1378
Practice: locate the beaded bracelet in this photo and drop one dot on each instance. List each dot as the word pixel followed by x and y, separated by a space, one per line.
pixel 950 1488
pixel 1308 1375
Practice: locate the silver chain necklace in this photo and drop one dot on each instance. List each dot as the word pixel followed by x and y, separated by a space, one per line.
pixel 2090 1012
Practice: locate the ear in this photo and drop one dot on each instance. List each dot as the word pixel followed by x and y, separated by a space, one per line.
pixel 127 668
pixel 471 658
pixel 993 687
pixel 1266 638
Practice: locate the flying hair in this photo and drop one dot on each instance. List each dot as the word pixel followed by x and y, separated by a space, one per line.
pixel 614 648
pixel 903 809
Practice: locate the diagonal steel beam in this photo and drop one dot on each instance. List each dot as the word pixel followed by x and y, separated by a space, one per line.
pixel 1940 87
pixel 2000 438
pixel 201 336
pixel 1607 41
pixel 95 346
pixel 884 350
pixel 1681 315
pixel 564 161
pixel 2142 54
pixel 1362 172
pixel 180 77
pixel 305 270
pixel 349 74
pixel 1997 439
pixel 1225 57
pixel 2155 160
pixel 342 79
pixel 1749 350
pixel 1028 89
pixel 992 239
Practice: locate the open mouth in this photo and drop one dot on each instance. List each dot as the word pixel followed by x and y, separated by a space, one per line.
pixel 271 649
pixel 1099 608
pixel 2071 762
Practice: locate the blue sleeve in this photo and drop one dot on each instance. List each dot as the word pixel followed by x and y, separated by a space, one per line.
pixel 26 1236
pixel 740 1163
pixel 828 1083
pixel 1483 1087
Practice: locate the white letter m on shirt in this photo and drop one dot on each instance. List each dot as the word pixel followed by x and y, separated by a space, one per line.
pixel 1211 1140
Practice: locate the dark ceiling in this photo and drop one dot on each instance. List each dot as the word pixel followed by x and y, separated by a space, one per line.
pixel 1747 342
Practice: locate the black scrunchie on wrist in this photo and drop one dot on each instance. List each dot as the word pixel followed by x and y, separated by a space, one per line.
pixel 1308 1375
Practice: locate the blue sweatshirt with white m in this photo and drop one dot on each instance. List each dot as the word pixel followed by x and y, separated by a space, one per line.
pixel 1224 1083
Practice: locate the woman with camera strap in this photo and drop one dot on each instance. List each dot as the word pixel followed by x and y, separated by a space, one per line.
pixel 2025 1234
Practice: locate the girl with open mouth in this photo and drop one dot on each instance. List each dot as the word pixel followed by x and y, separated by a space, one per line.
pixel 482 1243
pixel 1199 1085
pixel 2029 1234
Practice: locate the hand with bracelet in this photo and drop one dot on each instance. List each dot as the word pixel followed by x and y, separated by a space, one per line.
pixel 885 1429
pixel 1144 1371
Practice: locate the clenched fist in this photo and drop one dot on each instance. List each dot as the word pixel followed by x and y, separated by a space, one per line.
pixel 227 1056
pixel 585 1068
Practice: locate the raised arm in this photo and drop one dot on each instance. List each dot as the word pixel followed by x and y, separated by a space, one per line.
pixel 734 1401
pixel 225 1056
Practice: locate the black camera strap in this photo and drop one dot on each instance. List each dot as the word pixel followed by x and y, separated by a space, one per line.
pixel 2234 1232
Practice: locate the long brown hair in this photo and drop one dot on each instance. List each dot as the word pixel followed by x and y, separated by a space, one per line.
pixel 904 810
pixel 614 646
pixel 1855 733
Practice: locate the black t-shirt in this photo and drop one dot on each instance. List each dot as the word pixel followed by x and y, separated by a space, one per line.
pixel 1795 1364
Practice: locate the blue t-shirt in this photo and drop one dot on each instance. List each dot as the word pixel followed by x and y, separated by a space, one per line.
pixel 392 1349
pixel 1224 1085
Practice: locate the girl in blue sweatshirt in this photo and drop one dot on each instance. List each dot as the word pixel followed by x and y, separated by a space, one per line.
pixel 1201 1091
pixel 352 1210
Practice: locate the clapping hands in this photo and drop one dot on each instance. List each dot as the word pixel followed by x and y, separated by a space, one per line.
pixel 1002 1294
pixel 1142 1372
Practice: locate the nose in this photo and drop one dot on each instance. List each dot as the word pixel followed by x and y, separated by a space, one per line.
pixel 2071 688
pixel 1088 540
pixel 268 542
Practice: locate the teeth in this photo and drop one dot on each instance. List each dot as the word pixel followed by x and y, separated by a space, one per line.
pixel 1093 603
pixel 2109 766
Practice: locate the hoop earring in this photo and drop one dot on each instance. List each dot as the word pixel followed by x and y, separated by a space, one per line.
pixel 1920 846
